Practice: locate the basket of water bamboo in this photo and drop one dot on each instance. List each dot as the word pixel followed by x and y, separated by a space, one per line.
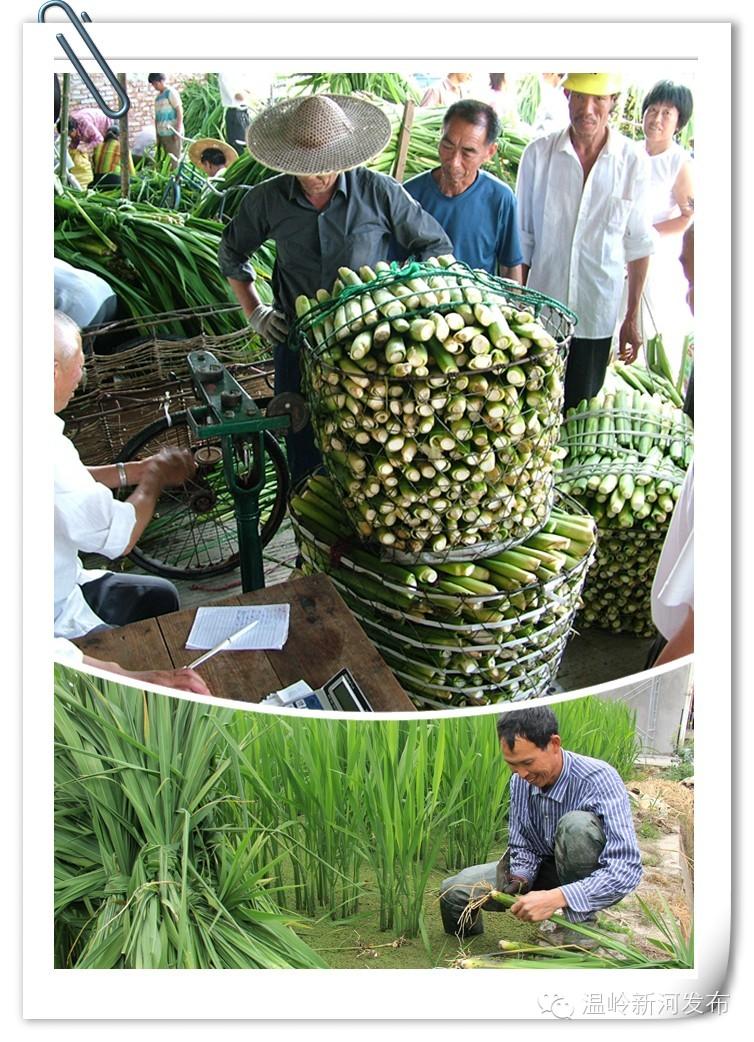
pixel 624 458
pixel 456 632
pixel 436 393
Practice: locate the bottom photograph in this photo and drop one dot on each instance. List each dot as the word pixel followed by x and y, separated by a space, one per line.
pixel 190 836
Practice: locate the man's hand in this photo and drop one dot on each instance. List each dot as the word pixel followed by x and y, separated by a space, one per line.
pixel 538 905
pixel 181 679
pixel 629 340
pixel 269 323
pixel 172 466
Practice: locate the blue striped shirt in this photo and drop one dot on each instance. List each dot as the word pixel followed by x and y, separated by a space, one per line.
pixel 583 784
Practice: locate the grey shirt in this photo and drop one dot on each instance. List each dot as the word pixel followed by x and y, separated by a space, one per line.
pixel 367 214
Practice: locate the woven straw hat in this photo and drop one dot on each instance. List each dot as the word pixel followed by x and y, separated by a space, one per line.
pixel 195 152
pixel 319 134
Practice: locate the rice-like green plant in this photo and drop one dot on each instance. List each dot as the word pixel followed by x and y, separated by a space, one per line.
pixel 151 870
pixel 156 260
pixel 602 728
pixel 477 828
pixel 182 830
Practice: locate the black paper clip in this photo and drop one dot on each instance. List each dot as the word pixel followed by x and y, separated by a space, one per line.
pixel 96 54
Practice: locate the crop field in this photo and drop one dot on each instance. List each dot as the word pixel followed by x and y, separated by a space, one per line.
pixel 190 836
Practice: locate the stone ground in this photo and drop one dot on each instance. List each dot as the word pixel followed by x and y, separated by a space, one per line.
pixel 663 813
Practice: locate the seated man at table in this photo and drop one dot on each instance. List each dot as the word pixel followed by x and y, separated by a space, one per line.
pixel 89 518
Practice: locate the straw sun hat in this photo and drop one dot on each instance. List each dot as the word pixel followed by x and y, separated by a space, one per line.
pixel 318 134
pixel 195 152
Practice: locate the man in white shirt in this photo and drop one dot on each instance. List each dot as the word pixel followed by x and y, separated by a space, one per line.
pixel 88 517
pixel 240 92
pixel 582 203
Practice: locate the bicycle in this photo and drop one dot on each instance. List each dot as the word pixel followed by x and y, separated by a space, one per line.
pixel 183 174
pixel 184 171
pixel 193 531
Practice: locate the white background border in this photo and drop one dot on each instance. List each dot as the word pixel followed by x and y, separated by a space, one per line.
pixel 712 672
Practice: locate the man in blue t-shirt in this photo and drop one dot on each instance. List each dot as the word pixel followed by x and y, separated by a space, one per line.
pixel 476 209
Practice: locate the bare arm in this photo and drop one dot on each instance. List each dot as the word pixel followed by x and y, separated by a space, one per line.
pixel 513 273
pixel 178 105
pixel 681 644
pixel 629 338
pixel 525 269
pixel 110 477
pixel 181 679
pixel 683 193
pixel 245 294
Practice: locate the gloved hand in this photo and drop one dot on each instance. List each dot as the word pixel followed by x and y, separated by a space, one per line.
pixel 269 323
pixel 516 885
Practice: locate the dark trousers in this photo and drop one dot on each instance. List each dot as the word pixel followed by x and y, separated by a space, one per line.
pixel 303 455
pixel 236 122
pixel 579 841
pixel 120 599
pixel 585 369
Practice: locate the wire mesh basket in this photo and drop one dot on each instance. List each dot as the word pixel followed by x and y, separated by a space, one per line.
pixel 436 396
pixel 625 454
pixel 618 593
pixel 148 377
pixel 456 632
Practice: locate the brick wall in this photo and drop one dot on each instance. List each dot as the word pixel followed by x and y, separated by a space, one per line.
pixel 141 95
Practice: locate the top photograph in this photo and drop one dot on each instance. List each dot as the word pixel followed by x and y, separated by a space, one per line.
pixel 374 391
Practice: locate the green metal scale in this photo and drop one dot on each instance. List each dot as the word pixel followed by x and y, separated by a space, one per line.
pixel 232 416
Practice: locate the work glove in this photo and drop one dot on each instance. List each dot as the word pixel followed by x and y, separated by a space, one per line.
pixel 515 886
pixel 269 323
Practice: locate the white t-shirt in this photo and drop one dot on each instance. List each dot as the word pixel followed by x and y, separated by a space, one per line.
pixel 79 293
pixel 673 586
pixel 87 517
pixel 66 653
pixel 552 112
pixel 253 89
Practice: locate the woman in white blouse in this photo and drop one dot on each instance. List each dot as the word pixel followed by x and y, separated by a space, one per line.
pixel 666 110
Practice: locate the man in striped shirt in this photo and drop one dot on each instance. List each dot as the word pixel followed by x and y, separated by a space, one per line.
pixel 572 845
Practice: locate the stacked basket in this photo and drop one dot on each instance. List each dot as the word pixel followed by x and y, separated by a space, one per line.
pixel 436 394
pixel 625 454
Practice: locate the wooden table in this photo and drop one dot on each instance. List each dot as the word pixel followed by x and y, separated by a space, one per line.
pixel 323 638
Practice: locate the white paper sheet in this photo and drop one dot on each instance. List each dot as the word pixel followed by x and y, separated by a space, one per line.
pixel 212 625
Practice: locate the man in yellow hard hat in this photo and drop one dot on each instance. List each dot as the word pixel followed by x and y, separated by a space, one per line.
pixel 585 222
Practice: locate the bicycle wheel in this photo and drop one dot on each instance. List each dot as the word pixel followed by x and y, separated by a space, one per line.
pixel 171 197
pixel 193 531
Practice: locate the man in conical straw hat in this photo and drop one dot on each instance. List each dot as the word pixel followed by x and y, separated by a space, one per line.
pixel 324 211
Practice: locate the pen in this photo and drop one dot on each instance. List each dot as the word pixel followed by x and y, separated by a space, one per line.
pixel 223 644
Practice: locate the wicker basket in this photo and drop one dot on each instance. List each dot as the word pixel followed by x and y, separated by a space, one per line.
pixel 125 391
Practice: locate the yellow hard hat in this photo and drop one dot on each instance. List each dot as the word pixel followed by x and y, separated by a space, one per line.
pixel 600 83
